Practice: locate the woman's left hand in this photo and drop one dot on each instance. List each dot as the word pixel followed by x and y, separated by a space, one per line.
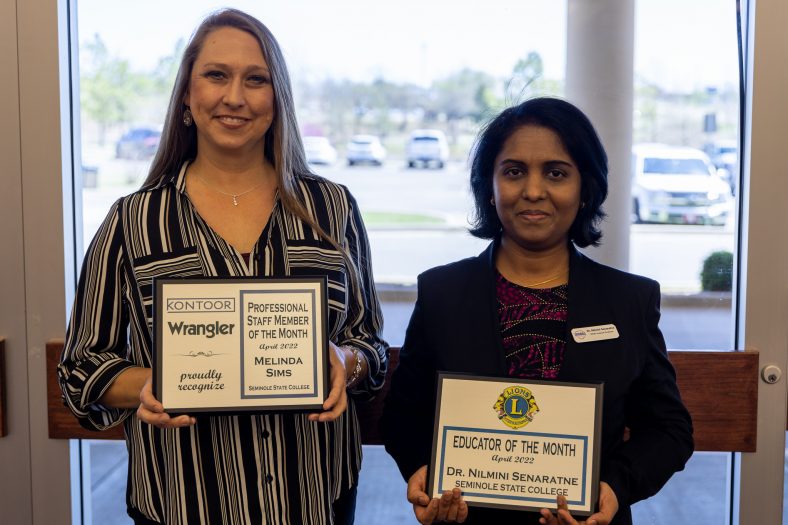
pixel 608 506
pixel 336 402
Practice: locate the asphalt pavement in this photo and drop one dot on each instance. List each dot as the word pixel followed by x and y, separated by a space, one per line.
pixel 671 254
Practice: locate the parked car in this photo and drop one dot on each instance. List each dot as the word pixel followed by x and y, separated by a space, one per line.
pixel 427 146
pixel 319 150
pixel 725 156
pixel 89 176
pixel 677 185
pixel 365 149
pixel 138 144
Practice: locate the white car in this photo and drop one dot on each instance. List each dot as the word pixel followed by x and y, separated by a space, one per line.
pixel 677 185
pixel 427 146
pixel 365 149
pixel 319 150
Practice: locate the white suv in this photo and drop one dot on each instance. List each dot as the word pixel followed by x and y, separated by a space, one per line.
pixel 427 146
pixel 677 185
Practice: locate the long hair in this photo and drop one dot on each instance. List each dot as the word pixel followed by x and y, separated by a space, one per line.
pixel 283 147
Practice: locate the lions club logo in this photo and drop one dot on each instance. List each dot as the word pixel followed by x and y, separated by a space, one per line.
pixel 516 406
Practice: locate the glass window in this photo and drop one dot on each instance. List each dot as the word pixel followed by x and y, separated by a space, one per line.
pixel 684 192
pixel 389 101
pixel 685 165
pixel 390 112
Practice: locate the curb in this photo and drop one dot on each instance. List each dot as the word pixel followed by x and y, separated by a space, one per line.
pixel 697 300
pixel 402 293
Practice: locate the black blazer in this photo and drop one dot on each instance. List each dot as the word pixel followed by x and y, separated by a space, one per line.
pixel 454 327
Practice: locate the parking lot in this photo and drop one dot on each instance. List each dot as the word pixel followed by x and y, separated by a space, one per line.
pixel 418 218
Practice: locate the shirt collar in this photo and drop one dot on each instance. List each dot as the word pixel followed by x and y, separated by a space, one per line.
pixel 178 180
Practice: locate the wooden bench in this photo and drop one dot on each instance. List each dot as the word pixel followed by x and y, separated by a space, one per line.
pixel 720 390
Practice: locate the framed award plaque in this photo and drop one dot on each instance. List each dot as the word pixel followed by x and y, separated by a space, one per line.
pixel 517 444
pixel 230 345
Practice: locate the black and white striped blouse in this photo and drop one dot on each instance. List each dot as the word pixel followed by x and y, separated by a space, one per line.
pixel 245 469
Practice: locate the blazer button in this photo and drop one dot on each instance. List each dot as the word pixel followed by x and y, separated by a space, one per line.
pixel 265 434
pixel 269 478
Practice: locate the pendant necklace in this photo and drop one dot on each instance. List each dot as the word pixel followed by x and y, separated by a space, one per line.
pixel 233 195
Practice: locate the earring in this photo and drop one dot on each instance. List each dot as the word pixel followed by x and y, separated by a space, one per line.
pixel 582 205
pixel 492 201
pixel 187 118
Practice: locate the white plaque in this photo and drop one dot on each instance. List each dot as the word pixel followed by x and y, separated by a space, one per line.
pixel 517 444
pixel 228 345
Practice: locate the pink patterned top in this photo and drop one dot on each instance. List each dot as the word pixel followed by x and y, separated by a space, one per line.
pixel 533 328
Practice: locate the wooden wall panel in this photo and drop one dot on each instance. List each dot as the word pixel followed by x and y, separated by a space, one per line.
pixel 720 390
pixel 3 418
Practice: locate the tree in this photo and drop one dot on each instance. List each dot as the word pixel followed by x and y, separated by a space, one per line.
pixel 167 69
pixel 527 80
pixel 108 87
pixel 464 94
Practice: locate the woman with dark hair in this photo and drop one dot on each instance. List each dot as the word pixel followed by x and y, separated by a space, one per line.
pixel 539 178
pixel 229 194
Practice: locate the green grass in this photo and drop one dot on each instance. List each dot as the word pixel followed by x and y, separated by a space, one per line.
pixel 384 218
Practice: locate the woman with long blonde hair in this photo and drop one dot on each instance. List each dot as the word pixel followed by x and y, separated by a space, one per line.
pixel 229 194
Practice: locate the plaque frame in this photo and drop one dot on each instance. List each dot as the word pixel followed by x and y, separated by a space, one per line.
pixel 583 507
pixel 311 401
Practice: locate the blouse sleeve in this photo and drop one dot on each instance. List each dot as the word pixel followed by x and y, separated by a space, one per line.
pixel 660 426
pixel 364 323
pixel 95 351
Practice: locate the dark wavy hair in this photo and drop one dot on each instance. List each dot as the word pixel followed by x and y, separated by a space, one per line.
pixel 581 141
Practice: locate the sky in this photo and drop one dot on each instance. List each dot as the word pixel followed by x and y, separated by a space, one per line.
pixel 680 44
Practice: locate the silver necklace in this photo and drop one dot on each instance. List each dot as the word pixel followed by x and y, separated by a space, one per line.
pixel 233 195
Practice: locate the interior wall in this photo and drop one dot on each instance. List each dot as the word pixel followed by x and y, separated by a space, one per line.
pixel 32 302
pixel 15 494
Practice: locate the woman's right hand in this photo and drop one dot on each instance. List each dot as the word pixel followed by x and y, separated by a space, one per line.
pixel 449 508
pixel 151 411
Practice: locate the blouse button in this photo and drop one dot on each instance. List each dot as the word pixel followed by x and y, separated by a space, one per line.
pixel 269 478
pixel 265 434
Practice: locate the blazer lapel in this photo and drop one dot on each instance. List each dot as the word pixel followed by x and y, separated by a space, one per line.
pixel 588 306
pixel 485 314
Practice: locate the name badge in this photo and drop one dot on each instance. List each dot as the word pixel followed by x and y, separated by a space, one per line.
pixel 601 332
